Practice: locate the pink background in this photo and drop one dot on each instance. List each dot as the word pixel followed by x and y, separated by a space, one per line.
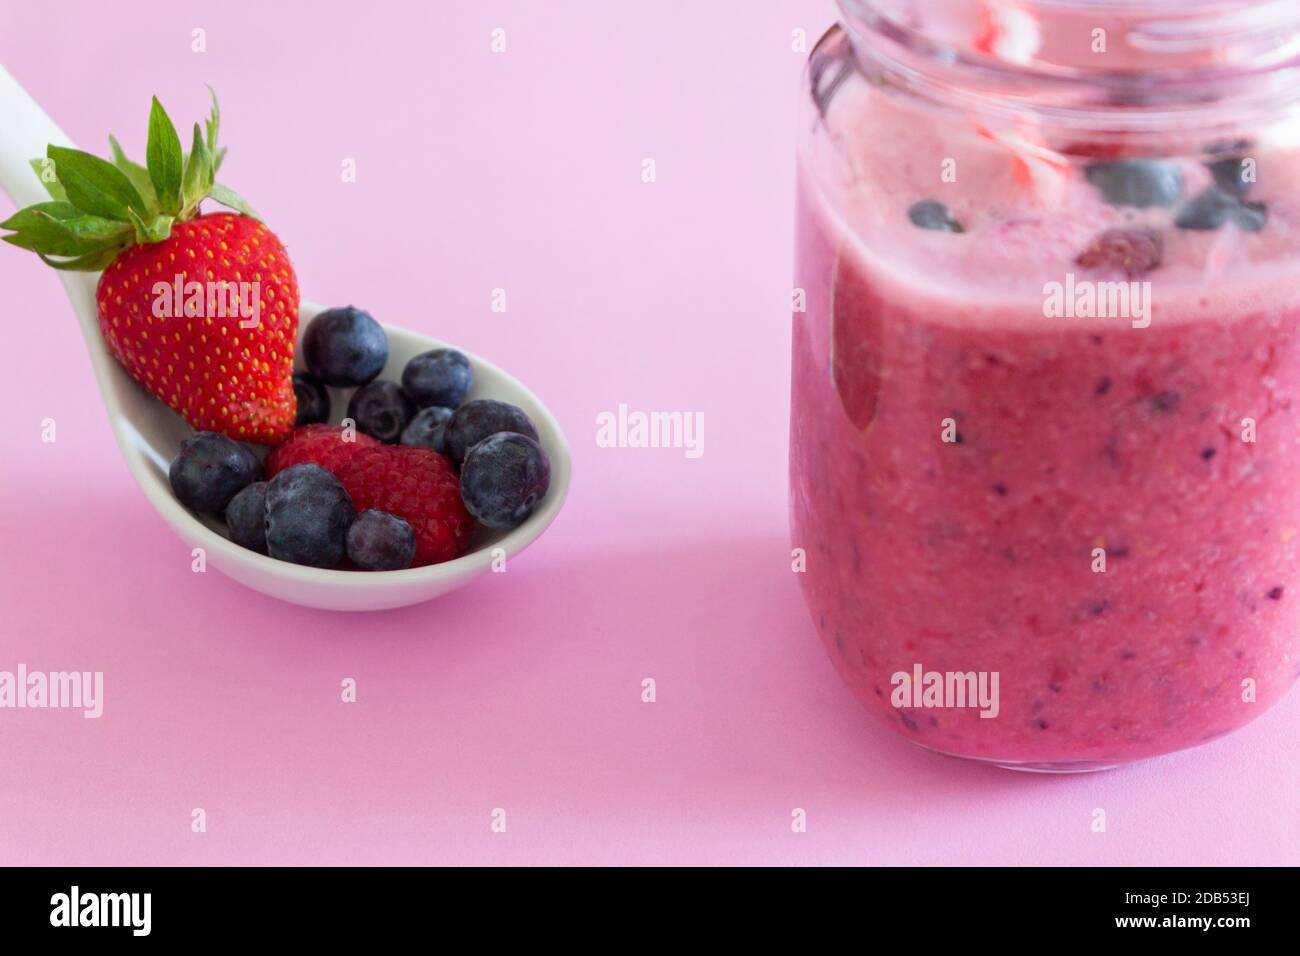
pixel 521 691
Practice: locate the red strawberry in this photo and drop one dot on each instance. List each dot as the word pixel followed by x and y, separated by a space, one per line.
pixel 219 376
pixel 201 310
pixel 322 445
pixel 417 484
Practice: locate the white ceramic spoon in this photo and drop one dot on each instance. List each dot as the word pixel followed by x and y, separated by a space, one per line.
pixel 149 433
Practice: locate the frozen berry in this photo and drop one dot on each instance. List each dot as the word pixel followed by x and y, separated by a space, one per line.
pixel 378 541
pixel 929 214
pixel 1215 207
pixel 1231 175
pixel 345 347
pixel 381 410
pixel 1137 182
pixel 246 517
pixel 504 478
pixel 475 420
pixel 1133 252
pixel 428 429
pixel 313 399
pixel 307 516
pixel 210 469
pixel 1207 211
pixel 1223 147
pixel 1251 216
pixel 441 377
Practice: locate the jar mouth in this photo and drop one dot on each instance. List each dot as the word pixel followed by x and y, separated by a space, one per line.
pixel 1096 59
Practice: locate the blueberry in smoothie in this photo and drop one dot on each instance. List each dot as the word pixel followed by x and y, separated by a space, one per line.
pixel 929 214
pixel 1137 182
pixel 1217 207
pixel 1230 175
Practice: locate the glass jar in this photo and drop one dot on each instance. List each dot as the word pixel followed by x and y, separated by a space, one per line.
pixel 1045 438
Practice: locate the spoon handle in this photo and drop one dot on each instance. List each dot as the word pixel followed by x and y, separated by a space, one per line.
pixel 27 131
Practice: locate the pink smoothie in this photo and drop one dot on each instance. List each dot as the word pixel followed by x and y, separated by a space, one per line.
pixel 1076 436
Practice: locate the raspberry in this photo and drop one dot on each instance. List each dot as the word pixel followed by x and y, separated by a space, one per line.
pixel 417 484
pixel 316 445
pixel 1134 252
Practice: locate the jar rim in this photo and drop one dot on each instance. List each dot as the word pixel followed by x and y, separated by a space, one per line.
pixel 1209 61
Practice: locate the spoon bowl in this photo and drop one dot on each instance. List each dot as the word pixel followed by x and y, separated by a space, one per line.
pixel 149 433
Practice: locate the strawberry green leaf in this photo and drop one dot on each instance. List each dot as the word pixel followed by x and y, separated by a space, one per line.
pixel 45 172
pixel 47 234
pixel 214 126
pixel 59 228
pixel 228 197
pixel 24 218
pixel 98 208
pixel 198 174
pixel 154 229
pixel 95 185
pixel 50 243
pixel 138 175
pixel 164 160
pixel 96 229
pixel 96 261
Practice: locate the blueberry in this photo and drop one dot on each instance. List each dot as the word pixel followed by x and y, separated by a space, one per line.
pixel 378 541
pixel 1215 207
pixel 1230 175
pixel 246 517
pixel 1166 401
pixel 1224 146
pixel 504 478
pixel 1208 211
pixel 313 399
pixel 929 214
pixel 307 516
pixel 475 420
pixel 345 347
pixel 210 469
pixel 1137 182
pixel 1251 216
pixel 428 429
pixel 381 410
pixel 441 377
